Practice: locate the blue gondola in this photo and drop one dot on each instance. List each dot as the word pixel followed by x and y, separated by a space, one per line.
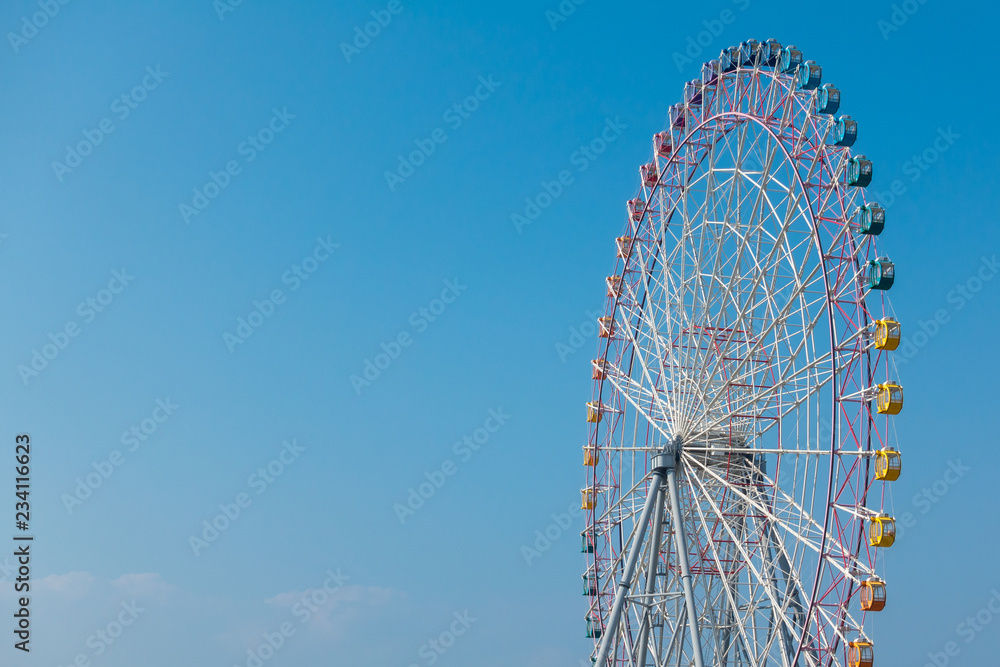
pixel 871 219
pixel 728 59
pixel 859 171
pixel 809 75
pixel 791 58
pixel 844 132
pixel 827 99
pixel 692 93
pixel 749 53
pixel 677 116
pixel 710 73
pixel 881 273
pixel 771 52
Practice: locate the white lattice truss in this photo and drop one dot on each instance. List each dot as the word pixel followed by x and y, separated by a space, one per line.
pixel 742 329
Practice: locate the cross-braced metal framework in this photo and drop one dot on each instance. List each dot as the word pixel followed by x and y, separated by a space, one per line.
pixel 731 487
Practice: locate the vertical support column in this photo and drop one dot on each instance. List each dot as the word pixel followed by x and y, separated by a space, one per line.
pixel 654 559
pixel 682 556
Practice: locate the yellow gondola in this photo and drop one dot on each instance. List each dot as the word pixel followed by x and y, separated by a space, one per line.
pixel 887 334
pixel 606 326
pixel 889 400
pixel 860 654
pixel 624 244
pixel 882 531
pixel 614 285
pixel 888 465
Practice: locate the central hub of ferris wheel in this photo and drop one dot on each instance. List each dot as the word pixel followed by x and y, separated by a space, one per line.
pixel 747 329
pixel 719 449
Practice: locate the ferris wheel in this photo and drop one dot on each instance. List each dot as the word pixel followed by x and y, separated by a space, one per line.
pixel 740 430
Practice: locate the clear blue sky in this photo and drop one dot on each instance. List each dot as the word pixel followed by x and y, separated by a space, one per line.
pixel 313 194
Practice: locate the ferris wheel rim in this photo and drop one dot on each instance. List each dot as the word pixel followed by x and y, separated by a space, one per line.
pixel 829 304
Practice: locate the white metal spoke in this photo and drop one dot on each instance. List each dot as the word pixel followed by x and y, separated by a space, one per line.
pixel 743 341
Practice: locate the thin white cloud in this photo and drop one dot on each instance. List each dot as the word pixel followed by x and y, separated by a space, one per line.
pixel 70 586
pixel 142 584
pixel 331 613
